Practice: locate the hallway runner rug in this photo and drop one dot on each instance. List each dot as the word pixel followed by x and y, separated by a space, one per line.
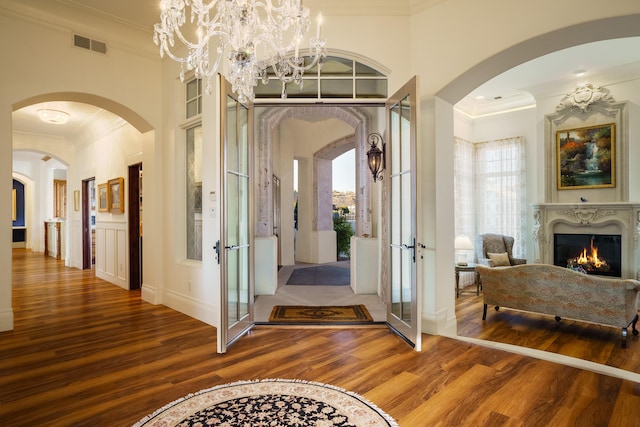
pixel 320 314
pixel 272 402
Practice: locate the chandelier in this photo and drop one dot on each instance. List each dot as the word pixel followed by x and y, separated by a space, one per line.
pixel 255 38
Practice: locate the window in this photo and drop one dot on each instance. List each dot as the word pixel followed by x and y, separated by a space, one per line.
pixel 194 193
pixel 338 78
pixel 194 97
pixel 490 189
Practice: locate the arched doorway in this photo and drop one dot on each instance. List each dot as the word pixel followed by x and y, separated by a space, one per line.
pixel 280 128
pixel 100 139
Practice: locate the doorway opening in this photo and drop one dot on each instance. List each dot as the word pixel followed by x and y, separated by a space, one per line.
pixel 343 198
pixel 88 223
pixel 317 153
pixel 135 226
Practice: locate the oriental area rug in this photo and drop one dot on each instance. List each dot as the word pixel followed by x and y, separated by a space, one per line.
pixel 320 314
pixel 273 402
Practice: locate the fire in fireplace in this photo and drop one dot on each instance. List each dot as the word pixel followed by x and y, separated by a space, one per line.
pixel 592 253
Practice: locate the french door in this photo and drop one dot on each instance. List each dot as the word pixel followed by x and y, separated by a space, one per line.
pixel 403 305
pixel 236 236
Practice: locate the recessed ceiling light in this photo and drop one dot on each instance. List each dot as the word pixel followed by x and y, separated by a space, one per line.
pixel 55 117
pixel 579 73
pixel 479 97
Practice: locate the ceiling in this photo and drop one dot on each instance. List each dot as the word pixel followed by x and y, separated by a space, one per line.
pixel 553 74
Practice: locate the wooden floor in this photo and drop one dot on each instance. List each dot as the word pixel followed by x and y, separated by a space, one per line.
pixel 587 341
pixel 87 353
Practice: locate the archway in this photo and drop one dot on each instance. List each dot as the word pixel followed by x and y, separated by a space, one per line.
pixel 457 89
pixel 323 183
pixel 355 117
pixel 133 118
pixel 586 32
pixel 104 138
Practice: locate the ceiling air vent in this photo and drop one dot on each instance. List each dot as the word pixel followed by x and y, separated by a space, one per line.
pixel 89 44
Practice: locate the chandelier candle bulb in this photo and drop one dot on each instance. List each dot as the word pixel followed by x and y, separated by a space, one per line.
pixel 319 22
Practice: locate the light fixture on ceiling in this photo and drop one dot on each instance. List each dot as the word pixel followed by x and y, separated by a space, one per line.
pixel 579 73
pixel 255 38
pixel 375 156
pixel 55 117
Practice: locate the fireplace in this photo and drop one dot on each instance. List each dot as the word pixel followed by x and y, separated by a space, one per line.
pixel 619 220
pixel 598 254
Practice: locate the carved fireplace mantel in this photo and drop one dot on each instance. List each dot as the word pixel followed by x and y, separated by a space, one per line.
pixel 615 218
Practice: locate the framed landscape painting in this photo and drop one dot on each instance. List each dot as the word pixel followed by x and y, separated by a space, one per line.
pixel 103 198
pixel 586 157
pixel 116 188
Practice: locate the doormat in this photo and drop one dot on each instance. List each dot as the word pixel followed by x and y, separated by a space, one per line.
pixel 325 275
pixel 320 314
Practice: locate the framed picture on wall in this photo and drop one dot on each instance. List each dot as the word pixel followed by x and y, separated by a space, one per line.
pixel 586 157
pixel 116 195
pixel 103 198
pixel 14 211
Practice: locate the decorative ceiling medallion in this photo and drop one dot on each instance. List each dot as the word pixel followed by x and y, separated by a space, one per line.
pixel 584 95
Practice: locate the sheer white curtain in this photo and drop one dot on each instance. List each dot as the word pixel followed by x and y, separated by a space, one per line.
pixel 490 189
pixel 464 188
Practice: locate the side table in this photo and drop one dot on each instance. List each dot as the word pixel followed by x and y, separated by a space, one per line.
pixel 470 267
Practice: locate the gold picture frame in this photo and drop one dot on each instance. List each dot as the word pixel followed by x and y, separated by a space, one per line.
pixel 586 157
pixel 14 208
pixel 103 198
pixel 116 195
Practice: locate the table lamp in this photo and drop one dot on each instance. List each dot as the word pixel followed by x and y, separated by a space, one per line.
pixel 461 245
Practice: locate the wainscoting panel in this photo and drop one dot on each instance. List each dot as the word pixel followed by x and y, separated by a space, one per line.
pixel 100 250
pixel 121 254
pixel 111 252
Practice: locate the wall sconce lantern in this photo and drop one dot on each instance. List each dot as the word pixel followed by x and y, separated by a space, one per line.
pixel 375 156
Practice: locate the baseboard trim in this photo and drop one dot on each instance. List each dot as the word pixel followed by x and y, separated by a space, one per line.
pixel 6 320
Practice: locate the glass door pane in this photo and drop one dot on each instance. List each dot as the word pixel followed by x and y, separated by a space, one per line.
pixel 403 306
pixel 236 314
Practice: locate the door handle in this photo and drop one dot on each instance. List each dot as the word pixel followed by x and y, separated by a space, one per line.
pixel 413 249
pixel 216 248
pixel 230 247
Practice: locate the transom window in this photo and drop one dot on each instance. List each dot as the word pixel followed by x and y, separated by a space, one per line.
pixel 339 78
pixel 194 97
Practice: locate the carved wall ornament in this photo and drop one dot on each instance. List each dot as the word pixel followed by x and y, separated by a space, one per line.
pixel 586 216
pixel 584 95
pixel 538 228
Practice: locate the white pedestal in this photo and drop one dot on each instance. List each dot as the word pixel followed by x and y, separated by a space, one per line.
pixel 266 261
pixel 365 277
